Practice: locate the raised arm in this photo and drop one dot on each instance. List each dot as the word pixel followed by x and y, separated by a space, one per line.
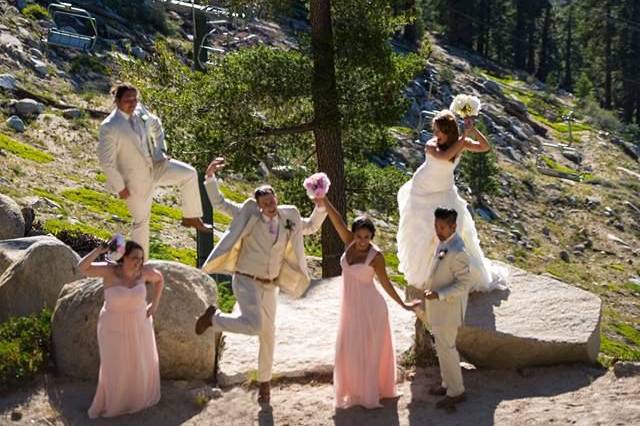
pixel 89 268
pixel 379 267
pixel 338 222
pixel 311 224
pixel 156 279
pixel 215 196
pixel 107 153
pixel 481 144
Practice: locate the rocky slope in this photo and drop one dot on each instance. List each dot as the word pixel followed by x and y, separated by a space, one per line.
pixel 571 212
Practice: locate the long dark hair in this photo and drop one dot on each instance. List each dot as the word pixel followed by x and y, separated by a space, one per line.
pixel 446 122
pixel 128 248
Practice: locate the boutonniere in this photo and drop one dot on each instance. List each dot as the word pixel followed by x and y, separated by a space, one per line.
pixel 442 253
pixel 289 225
pixel 144 117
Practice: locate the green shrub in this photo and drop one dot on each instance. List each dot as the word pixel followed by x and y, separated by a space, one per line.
pixel 83 63
pixel 35 12
pixel 226 299
pixel 24 348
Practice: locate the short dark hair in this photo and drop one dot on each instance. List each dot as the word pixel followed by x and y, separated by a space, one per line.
pixel 450 215
pixel 363 222
pixel 128 248
pixel 118 91
pixel 263 190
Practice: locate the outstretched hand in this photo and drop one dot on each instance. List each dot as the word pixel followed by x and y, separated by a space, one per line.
pixel 320 202
pixel 216 165
pixel 469 126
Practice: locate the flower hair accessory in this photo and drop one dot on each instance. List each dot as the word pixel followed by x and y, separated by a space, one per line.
pixel 317 185
pixel 465 106
pixel 116 248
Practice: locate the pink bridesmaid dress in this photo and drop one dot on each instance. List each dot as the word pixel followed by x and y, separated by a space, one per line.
pixel 365 363
pixel 129 378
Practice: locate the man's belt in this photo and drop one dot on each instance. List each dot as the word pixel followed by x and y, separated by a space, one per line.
pixel 253 277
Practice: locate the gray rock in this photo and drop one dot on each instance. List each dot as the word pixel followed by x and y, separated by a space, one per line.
pixel 36 53
pixel 10 43
pixel 299 351
pixel 71 113
pixel 626 368
pixel 537 321
pixel 11 220
pixel 27 107
pixel 34 279
pixel 8 82
pixel 138 52
pixel 183 355
pixel 16 123
pixel 40 67
pixel 564 256
pixel 493 87
pixel 572 155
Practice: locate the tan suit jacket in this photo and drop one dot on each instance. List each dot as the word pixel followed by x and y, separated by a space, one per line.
pixel 294 277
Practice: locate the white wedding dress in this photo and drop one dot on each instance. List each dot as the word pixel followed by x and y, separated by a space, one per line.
pixel 433 186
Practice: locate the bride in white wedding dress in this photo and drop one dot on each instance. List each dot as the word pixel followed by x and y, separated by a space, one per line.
pixel 433 186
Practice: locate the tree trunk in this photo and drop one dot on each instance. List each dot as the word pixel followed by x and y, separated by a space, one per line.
pixel 327 127
pixel 568 79
pixel 545 49
pixel 608 35
pixel 519 34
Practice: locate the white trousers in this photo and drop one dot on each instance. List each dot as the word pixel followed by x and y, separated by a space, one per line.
pixel 449 359
pixel 167 173
pixel 255 314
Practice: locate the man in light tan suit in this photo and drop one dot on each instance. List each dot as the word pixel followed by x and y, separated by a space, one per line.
pixel 263 249
pixel 446 293
pixel 132 153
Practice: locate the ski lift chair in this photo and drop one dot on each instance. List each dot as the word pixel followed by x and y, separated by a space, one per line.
pixel 66 36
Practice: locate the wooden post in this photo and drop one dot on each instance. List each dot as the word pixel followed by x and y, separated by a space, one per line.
pixel 204 241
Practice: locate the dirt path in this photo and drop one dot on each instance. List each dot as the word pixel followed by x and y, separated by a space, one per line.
pixel 580 395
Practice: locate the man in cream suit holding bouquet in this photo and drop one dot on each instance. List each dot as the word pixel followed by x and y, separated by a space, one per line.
pixel 446 293
pixel 132 153
pixel 263 249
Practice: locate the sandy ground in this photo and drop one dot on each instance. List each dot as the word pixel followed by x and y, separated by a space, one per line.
pixel 581 395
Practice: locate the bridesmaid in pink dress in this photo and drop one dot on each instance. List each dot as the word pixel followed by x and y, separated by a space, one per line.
pixel 365 362
pixel 129 378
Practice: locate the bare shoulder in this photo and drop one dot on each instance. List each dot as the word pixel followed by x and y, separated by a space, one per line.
pixel 378 259
pixel 150 273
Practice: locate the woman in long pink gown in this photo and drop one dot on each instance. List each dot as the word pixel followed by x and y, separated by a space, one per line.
pixel 129 377
pixel 365 361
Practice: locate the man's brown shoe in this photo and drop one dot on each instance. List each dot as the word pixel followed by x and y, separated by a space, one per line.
pixel 204 321
pixel 449 402
pixel 437 390
pixel 196 222
pixel 264 395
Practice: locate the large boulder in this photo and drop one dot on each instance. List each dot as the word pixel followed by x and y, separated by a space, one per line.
pixel 537 321
pixel 27 107
pixel 11 220
pixel 183 355
pixel 36 274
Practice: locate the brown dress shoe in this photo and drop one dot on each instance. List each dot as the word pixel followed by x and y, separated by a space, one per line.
pixel 264 395
pixel 204 321
pixel 449 402
pixel 437 390
pixel 196 222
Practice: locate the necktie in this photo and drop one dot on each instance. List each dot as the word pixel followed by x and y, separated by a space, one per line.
pixel 138 131
pixel 273 230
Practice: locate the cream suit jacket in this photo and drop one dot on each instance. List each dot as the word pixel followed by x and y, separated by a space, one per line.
pixel 294 277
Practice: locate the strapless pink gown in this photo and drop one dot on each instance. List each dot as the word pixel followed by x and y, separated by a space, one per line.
pixel 365 363
pixel 129 378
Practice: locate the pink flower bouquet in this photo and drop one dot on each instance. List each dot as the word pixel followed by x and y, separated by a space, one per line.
pixel 116 248
pixel 317 185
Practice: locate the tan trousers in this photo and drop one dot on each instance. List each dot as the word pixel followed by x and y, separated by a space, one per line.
pixel 255 314
pixel 167 173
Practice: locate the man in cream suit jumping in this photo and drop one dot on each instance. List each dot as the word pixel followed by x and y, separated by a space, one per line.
pixel 264 251
pixel 132 153
pixel 446 293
